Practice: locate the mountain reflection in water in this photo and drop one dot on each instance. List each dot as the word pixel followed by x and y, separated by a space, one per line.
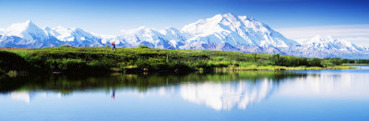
pixel 226 96
pixel 221 91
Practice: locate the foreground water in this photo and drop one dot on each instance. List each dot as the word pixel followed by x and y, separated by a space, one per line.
pixel 291 95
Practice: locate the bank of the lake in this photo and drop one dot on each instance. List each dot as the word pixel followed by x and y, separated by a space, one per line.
pixel 138 60
pixel 276 68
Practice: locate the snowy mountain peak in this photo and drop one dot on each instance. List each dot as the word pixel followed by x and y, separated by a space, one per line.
pixel 170 30
pixel 65 29
pixel 326 38
pixel 227 16
pixel 220 17
pixel 319 39
pixel 139 30
pixel 70 34
pixel 61 33
pixel 23 25
pixel 216 24
pixel 27 30
pixel 20 27
pixel 236 31
pixel 244 18
pixel 329 42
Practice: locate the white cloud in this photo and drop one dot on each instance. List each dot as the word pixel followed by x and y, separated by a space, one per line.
pixel 358 34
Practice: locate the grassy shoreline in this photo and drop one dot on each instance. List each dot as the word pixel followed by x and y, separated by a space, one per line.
pixel 141 60
pixel 278 68
pixel 347 64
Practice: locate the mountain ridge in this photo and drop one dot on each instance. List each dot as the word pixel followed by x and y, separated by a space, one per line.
pixel 225 32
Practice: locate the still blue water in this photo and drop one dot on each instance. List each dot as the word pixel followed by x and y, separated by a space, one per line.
pixel 291 95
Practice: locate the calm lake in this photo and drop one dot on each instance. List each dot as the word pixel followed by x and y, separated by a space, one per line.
pixel 234 96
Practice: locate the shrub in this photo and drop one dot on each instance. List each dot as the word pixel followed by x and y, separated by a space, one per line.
pixel 103 64
pixel 336 61
pixel 326 63
pixel 277 59
pixel 143 46
pixel 66 65
pixel 314 62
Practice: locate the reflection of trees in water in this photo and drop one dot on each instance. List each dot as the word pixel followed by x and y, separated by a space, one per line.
pixel 219 91
pixel 8 84
pixel 68 84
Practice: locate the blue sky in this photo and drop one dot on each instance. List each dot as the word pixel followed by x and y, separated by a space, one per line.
pixel 111 16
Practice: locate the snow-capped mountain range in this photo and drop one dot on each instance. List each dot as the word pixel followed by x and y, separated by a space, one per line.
pixel 225 32
pixel 328 46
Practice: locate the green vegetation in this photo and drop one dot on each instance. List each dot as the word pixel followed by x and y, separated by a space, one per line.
pixel 143 46
pixel 134 60
pixel 356 61
pixel 11 61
